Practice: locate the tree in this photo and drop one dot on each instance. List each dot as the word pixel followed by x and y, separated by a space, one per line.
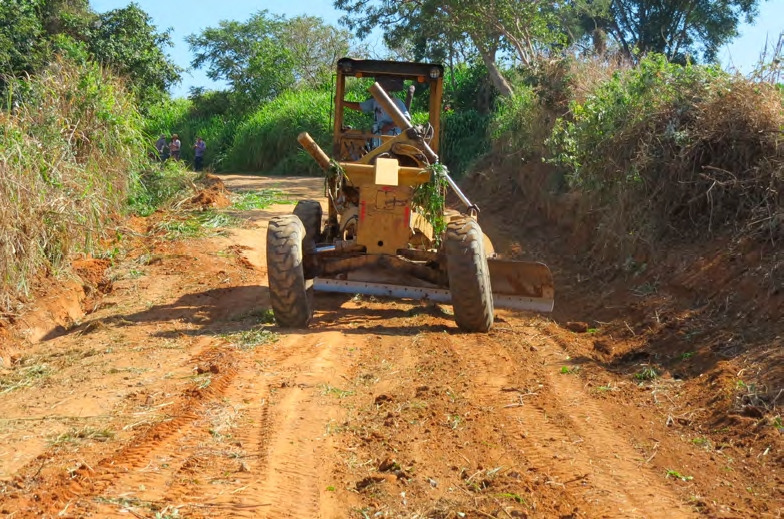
pixel 267 55
pixel 679 29
pixel 21 44
pixel 315 48
pixel 245 55
pixel 526 29
pixel 126 41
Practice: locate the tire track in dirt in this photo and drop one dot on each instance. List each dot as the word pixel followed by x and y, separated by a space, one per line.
pixel 272 450
pixel 227 450
pixel 275 446
pixel 146 466
pixel 292 479
pixel 559 429
pixel 88 488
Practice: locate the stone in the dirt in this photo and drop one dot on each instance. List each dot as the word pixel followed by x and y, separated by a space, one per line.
pixel 388 465
pixel 214 369
pixel 577 326
pixel 380 399
pixel 368 482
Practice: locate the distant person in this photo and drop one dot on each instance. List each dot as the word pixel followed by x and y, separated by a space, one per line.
pixel 198 153
pixel 161 147
pixel 174 147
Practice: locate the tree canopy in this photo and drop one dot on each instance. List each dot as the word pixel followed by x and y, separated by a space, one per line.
pixel 125 40
pixel 269 54
pixel 529 29
pixel 523 30
pixel 676 28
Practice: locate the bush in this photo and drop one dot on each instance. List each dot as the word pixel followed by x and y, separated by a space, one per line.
pixel 464 140
pixel 515 125
pixel 267 140
pixel 65 151
pixel 666 148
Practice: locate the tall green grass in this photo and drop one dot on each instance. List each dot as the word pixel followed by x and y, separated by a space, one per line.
pixel 65 151
pixel 267 140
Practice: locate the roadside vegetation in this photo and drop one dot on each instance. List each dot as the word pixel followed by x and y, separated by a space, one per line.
pixel 76 86
pixel 70 163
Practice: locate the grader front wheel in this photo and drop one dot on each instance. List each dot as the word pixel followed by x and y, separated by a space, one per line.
pixel 310 212
pixel 469 276
pixel 288 292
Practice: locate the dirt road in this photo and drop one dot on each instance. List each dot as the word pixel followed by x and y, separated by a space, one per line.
pixel 173 399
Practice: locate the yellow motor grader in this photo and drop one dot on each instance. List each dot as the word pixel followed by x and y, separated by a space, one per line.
pixel 386 231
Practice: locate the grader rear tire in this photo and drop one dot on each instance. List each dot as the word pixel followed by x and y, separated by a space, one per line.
pixel 310 212
pixel 469 276
pixel 288 293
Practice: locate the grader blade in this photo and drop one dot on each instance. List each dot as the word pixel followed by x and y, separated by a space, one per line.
pixel 521 285
pixel 518 285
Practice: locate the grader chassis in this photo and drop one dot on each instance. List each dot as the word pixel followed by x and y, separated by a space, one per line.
pixel 377 239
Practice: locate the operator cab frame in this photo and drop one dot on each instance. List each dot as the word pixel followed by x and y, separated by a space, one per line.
pixel 348 143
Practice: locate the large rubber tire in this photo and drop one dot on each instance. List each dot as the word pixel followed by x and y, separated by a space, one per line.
pixel 469 276
pixel 288 293
pixel 309 212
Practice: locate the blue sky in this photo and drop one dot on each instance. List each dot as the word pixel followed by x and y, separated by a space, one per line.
pixel 189 17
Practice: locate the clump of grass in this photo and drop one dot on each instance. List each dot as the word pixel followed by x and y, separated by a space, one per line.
pixel 156 185
pixel 511 495
pixel 677 475
pixel 26 376
pixel 260 199
pixel 330 390
pixel 197 224
pixel 701 442
pixel 79 435
pixel 647 373
pixel 248 339
pixel 262 315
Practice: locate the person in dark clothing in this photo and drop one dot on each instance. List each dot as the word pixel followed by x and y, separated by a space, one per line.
pixel 161 147
pixel 198 153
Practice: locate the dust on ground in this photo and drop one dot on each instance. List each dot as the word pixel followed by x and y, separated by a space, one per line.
pixel 161 388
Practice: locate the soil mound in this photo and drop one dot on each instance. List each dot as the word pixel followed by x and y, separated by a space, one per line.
pixel 212 196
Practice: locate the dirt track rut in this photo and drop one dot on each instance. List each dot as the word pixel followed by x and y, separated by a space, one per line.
pixel 381 409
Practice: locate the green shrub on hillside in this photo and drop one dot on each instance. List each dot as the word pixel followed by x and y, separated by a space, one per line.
pixel 464 140
pixel 664 148
pixel 65 152
pixel 267 140
pixel 514 123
